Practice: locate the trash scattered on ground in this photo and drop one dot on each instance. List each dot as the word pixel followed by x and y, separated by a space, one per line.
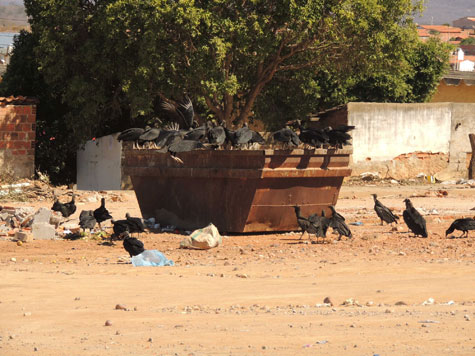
pixel 151 258
pixel 428 321
pixel 202 239
pixel 429 301
pixel 356 223
pixel 322 342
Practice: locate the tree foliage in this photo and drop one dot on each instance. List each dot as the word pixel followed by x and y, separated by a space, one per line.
pixel 110 62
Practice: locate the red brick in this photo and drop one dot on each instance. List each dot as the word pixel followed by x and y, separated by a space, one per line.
pixel 3 144
pixel 33 127
pixel 21 135
pixel 32 144
pixel 31 118
pixel 31 135
pixel 33 110
pixel 7 127
pixel 30 152
pixel 25 127
pixel 19 152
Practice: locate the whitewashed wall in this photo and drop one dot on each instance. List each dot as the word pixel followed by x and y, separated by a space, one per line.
pixel 384 131
pixel 99 164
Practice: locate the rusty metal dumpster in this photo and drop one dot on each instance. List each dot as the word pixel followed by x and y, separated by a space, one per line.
pixel 236 190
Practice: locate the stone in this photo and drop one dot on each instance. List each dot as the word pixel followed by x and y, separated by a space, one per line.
pixel 327 300
pixel 43 215
pixel 43 231
pixel 108 323
pixel 23 236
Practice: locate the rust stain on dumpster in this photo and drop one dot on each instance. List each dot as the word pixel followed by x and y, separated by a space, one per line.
pixel 237 190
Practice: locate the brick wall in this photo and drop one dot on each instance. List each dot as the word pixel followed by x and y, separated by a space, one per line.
pixel 17 139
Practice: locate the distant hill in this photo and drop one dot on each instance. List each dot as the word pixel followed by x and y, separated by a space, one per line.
pixel 439 12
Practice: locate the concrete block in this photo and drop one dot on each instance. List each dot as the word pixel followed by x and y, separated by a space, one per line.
pixel 23 236
pixel 43 231
pixel 43 215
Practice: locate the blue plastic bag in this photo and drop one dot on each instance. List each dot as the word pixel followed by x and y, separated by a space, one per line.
pixel 151 258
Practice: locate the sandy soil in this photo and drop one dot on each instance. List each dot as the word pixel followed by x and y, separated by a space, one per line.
pixel 254 295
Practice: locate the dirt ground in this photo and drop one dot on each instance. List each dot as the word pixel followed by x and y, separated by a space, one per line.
pixel 254 295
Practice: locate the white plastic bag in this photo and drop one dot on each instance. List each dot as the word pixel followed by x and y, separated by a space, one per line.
pixel 203 239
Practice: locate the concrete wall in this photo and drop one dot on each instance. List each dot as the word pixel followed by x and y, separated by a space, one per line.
pixel 463 123
pixel 99 164
pixel 384 131
pixel 17 140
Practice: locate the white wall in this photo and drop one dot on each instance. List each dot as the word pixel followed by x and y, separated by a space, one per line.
pixel 384 131
pixel 467 66
pixel 99 164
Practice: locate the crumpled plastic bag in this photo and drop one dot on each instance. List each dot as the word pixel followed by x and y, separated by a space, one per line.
pixel 151 258
pixel 203 239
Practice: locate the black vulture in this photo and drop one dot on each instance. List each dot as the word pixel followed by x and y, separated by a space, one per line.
pixel 384 213
pixel 216 135
pixel 339 137
pixel 230 135
pixel 337 223
pixel 87 220
pixel 132 245
pixel 312 137
pixel 136 224
pixel 463 225
pixel 149 136
pixel 243 135
pixel 286 136
pixel 322 221
pixel 196 134
pixel 101 214
pixel 66 209
pixel 257 138
pixel 131 134
pixel 180 145
pixel 311 228
pixel 182 113
pixel 414 220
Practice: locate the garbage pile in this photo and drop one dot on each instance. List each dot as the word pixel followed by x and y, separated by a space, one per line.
pixel 32 223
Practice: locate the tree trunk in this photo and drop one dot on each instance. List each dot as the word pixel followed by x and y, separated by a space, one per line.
pixel 471 167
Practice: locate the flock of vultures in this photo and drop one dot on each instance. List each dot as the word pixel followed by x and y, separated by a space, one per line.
pixel 315 224
pixel 185 135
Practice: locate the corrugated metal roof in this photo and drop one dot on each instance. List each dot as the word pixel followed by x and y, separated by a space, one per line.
pixel 17 100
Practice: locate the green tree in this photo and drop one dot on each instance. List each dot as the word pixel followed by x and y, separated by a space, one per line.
pixel 468 41
pixel 113 59
pixel 54 154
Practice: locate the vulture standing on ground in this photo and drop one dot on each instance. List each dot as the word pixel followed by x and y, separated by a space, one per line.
pixel 311 228
pixel 384 213
pixel 132 245
pixel 101 214
pixel 414 220
pixel 87 220
pixel 463 225
pixel 135 224
pixel 66 209
pixel 337 223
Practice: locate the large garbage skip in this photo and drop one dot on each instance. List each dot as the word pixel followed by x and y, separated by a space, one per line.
pixel 236 190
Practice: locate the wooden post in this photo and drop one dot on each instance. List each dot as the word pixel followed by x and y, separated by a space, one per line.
pixel 471 167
